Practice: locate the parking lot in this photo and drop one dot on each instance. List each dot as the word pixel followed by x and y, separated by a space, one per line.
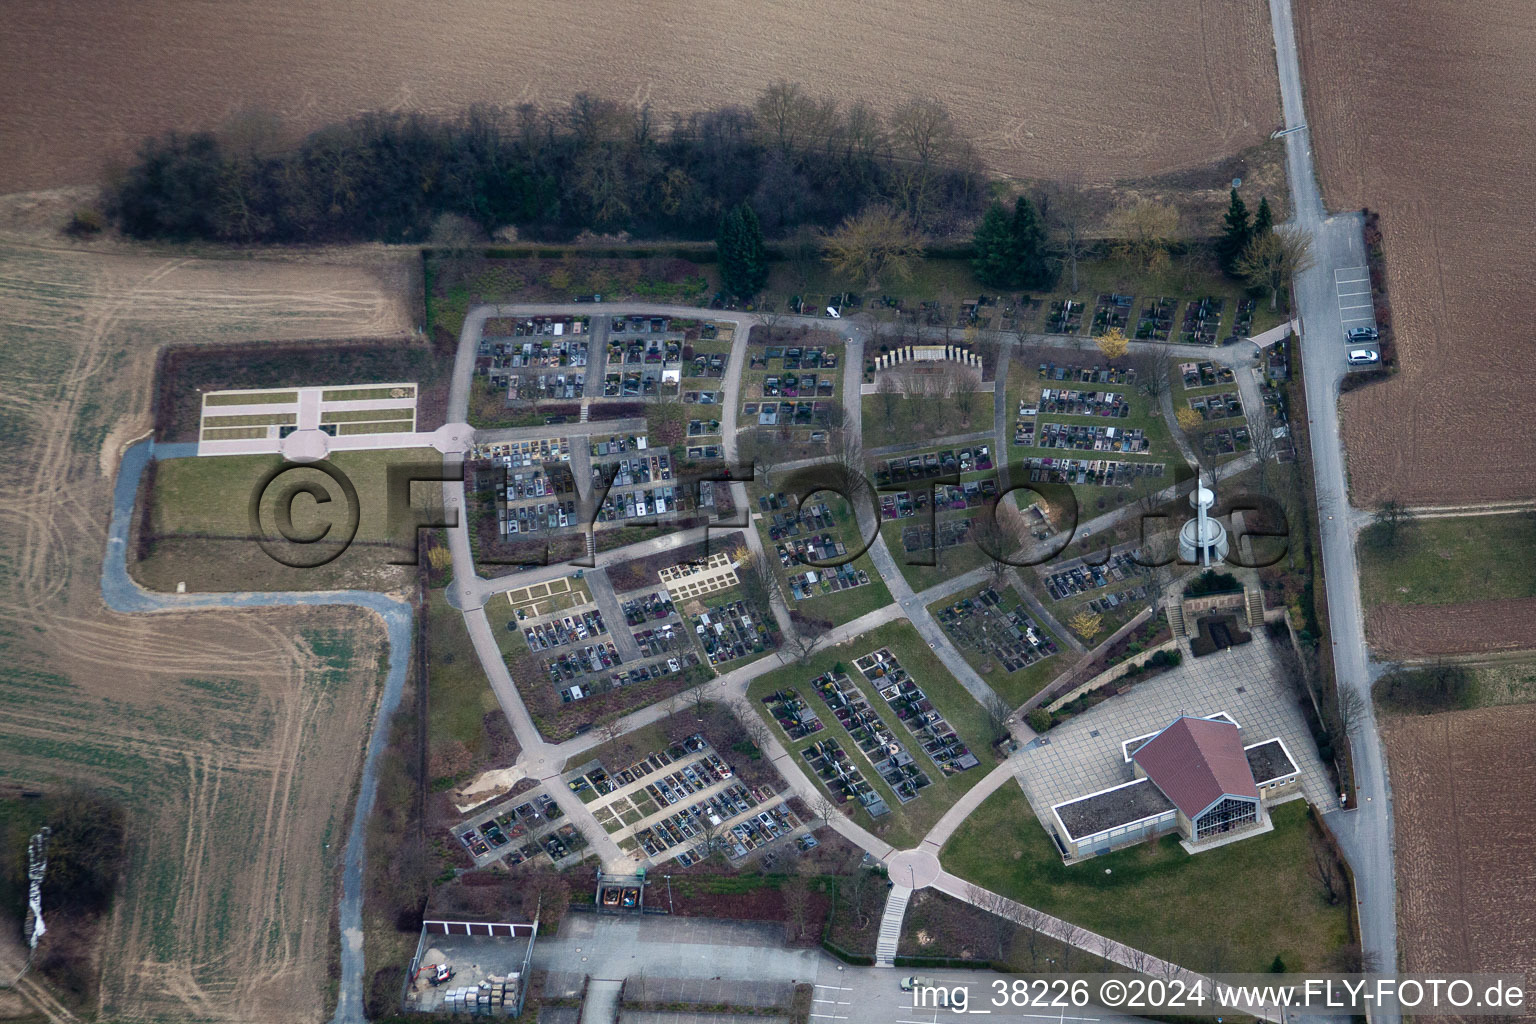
pixel 1352 285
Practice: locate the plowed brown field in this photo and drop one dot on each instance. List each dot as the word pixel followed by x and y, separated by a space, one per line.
pixel 1100 87
pixel 1465 838
pixel 1421 109
pixel 1415 630
pixel 233 739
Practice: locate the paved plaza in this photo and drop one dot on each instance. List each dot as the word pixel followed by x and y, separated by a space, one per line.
pixel 1084 754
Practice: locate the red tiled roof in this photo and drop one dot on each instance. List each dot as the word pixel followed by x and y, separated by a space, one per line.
pixel 1196 762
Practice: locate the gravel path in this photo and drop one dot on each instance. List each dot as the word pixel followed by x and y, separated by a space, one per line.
pixel 122 594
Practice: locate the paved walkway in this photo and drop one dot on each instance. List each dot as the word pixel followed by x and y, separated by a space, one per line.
pixel 613 615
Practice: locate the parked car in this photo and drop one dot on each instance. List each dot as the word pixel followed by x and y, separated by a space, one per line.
pixel 917 981
pixel 1360 356
pixel 833 313
pixel 1362 334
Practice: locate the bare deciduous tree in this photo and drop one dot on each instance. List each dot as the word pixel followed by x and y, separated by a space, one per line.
pixel 610 728
pixel 998 713
pixel 1154 378
pixel 890 398
pixel 1144 229
pixel 1389 517
pixel 871 244
pixel 797 897
pixel 1031 921
pixel 1353 708
pixel 1352 959
pixel 1065 207
pixel 1325 871
pixel 1272 260
pixel 1000 921
pixel 754 727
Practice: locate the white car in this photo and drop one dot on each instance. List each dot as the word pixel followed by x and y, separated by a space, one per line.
pixel 1360 356
pixel 833 313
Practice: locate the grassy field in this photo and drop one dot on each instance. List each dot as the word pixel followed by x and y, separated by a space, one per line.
pixel 950 561
pixel 459 696
pixel 966 414
pixel 905 826
pixel 840 606
pixel 200 530
pixel 1448 561
pixel 1013 687
pixel 1234 908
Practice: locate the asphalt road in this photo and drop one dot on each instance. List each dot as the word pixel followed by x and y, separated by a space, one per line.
pixel 1366 832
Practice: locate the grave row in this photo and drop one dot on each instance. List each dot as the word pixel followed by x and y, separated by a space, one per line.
pixel 868 730
pixel 1081 437
pixel 915 711
pixel 1012 639
pixel 1094 472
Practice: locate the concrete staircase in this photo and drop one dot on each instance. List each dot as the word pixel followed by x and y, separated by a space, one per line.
pixel 586 410
pixel 1255 604
pixel 1176 620
pixel 890 926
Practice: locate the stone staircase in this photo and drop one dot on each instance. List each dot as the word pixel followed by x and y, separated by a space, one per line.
pixel 1255 604
pixel 1176 620
pixel 890 926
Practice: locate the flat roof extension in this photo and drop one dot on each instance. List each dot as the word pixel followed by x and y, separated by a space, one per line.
pixel 1110 808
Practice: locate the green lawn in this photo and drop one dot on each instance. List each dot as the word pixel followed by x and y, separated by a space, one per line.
pixel 199 517
pixel 840 606
pixel 902 427
pixel 1013 687
pixel 1448 561
pixel 459 695
pixel 1234 908
pixel 905 826
pixel 950 561
pixel 212 495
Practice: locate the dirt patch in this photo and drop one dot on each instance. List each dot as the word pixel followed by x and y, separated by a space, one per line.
pixel 1464 857
pixel 1396 101
pixel 1411 630
pixel 1190 79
